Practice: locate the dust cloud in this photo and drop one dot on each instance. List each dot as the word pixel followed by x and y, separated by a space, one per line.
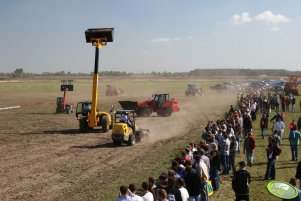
pixel 194 111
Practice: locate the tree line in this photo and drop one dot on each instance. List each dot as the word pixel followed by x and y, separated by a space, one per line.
pixel 19 73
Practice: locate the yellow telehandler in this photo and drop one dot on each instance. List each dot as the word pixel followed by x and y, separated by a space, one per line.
pixel 86 112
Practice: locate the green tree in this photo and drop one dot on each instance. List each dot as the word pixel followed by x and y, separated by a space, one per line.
pixel 18 72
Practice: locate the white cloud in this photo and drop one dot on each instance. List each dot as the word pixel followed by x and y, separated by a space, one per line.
pixel 241 19
pixel 270 18
pixel 161 40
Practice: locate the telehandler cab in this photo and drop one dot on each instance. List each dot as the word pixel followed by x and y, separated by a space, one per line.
pixel 86 112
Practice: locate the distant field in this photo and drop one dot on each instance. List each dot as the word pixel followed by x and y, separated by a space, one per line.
pixel 42 154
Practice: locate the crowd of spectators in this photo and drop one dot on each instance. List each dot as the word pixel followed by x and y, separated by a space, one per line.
pixel 215 154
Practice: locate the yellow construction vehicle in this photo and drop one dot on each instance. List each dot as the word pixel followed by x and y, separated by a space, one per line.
pixel 125 129
pixel 86 112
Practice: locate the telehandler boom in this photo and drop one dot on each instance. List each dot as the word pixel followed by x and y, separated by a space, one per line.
pixel 86 111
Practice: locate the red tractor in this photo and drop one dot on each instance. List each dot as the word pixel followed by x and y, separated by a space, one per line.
pixel 291 87
pixel 161 103
pixel 61 106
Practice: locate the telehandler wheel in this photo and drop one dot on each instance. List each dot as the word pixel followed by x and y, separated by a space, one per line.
pixel 104 124
pixel 83 125
pixel 132 140
pixel 167 112
pixel 144 112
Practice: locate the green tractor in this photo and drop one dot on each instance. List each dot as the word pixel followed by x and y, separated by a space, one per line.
pixel 125 129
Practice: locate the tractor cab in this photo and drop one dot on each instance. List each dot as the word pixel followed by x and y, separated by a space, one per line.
pixel 83 108
pixel 124 128
pixel 125 116
pixel 160 99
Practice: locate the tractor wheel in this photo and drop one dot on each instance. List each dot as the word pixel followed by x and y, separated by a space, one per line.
pixel 117 142
pixel 104 124
pixel 132 140
pixel 167 112
pixel 68 110
pixel 144 112
pixel 83 125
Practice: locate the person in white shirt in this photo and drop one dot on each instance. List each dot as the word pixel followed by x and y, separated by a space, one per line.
pixel 279 127
pixel 184 192
pixel 124 194
pixel 148 196
pixel 132 188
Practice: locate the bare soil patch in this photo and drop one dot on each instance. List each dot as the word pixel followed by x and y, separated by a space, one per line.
pixel 43 155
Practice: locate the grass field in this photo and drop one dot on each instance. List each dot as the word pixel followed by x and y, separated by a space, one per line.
pixel 96 170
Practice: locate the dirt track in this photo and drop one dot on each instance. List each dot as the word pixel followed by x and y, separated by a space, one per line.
pixel 43 156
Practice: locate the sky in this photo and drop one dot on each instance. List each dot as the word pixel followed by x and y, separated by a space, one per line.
pixel 157 35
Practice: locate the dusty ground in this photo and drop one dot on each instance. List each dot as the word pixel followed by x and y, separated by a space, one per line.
pixel 44 157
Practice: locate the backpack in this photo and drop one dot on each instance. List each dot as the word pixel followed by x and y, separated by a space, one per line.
pixel 277 151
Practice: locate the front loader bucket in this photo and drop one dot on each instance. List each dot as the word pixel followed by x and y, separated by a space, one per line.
pixel 128 105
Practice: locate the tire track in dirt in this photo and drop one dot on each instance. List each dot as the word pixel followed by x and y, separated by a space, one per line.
pixel 46 164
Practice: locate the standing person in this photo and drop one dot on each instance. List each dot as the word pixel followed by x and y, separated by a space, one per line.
pixel 288 102
pixel 124 194
pixel 294 137
pixel 247 124
pixel 184 192
pixel 240 183
pixel 293 103
pixel 237 132
pixel 224 153
pixel 233 151
pixel 173 193
pixel 132 193
pixel 249 146
pixel 272 153
pixel 147 195
pixel 214 167
pixel 192 182
pixel 279 126
pixel 263 125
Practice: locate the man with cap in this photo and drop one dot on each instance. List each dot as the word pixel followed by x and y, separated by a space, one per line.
pixel 240 183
